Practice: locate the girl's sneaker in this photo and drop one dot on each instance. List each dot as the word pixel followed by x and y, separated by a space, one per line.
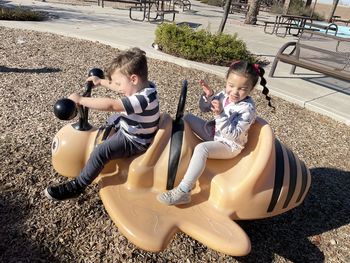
pixel 174 197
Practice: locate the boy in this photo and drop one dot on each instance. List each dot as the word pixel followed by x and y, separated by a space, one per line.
pixel 136 122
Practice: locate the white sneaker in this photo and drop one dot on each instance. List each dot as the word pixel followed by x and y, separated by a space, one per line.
pixel 174 197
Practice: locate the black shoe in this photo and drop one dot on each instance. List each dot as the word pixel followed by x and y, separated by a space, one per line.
pixel 64 191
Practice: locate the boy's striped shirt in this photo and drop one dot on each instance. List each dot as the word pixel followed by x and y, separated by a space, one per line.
pixel 140 120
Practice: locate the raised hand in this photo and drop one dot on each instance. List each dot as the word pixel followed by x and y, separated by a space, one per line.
pixel 216 107
pixel 206 89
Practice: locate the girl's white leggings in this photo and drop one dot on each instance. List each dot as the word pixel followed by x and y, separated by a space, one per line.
pixel 204 150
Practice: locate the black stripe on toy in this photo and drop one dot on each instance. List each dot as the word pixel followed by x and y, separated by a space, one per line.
pixel 292 177
pixel 279 175
pixel 176 138
pixel 175 151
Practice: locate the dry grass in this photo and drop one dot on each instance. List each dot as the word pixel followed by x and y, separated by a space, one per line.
pixel 324 10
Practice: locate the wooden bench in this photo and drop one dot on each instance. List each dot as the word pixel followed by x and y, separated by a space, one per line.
pixel 319 52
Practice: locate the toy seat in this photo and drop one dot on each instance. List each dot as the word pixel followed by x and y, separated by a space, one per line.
pixel 239 188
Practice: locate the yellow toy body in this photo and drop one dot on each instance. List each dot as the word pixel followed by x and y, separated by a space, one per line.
pixel 264 180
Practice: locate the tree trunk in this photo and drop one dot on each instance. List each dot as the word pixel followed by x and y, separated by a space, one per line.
pixel 331 13
pixel 308 3
pixel 286 6
pixel 225 15
pixel 253 12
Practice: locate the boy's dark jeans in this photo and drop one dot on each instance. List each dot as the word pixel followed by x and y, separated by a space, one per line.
pixel 115 147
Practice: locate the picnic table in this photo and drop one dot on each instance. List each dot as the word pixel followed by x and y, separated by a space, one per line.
pixel 159 8
pixel 102 2
pixel 337 19
pixel 147 8
pixel 239 7
pixel 289 23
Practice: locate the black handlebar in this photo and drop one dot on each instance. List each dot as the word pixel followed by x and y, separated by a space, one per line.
pixel 66 109
pixel 83 123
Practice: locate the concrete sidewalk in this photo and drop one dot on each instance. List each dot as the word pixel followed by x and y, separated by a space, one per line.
pixel 113 26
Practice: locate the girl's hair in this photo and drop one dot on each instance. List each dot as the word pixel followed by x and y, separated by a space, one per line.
pixel 252 72
pixel 129 62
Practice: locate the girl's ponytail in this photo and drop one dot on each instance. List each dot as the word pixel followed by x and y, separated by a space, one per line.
pixel 263 83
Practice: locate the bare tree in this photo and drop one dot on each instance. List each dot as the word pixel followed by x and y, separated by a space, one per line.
pixel 253 12
pixel 225 15
pixel 331 13
pixel 286 6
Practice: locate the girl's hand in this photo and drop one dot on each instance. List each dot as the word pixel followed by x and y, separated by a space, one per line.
pixel 206 89
pixel 95 80
pixel 216 107
pixel 75 97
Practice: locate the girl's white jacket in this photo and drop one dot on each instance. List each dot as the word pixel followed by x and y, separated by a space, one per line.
pixel 232 125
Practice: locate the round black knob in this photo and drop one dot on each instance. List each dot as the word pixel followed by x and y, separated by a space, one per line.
pixel 65 109
pixel 96 72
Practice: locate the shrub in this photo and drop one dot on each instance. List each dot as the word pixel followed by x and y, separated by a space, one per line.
pixel 183 41
pixel 20 14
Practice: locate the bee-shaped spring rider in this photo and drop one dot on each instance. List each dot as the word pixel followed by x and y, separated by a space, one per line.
pixel 264 180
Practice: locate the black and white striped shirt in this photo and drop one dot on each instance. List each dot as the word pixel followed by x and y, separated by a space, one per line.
pixel 139 121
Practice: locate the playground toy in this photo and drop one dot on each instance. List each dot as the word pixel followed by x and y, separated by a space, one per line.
pixel 264 180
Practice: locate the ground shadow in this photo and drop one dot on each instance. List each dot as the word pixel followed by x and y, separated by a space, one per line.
pixel 294 235
pixel 321 80
pixel 4 69
pixel 331 83
pixel 15 245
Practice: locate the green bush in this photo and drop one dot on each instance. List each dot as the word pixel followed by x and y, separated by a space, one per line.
pixel 20 14
pixel 183 41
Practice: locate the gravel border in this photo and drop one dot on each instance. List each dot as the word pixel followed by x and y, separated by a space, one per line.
pixel 34 73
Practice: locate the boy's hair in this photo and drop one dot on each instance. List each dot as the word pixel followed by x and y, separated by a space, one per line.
pixel 252 72
pixel 129 62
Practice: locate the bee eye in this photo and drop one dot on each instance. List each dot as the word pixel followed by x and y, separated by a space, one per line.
pixel 54 145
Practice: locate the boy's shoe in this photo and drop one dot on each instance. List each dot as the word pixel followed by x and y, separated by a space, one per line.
pixel 174 197
pixel 64 191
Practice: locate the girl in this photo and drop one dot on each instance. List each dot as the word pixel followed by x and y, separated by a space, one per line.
pixel 225 136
